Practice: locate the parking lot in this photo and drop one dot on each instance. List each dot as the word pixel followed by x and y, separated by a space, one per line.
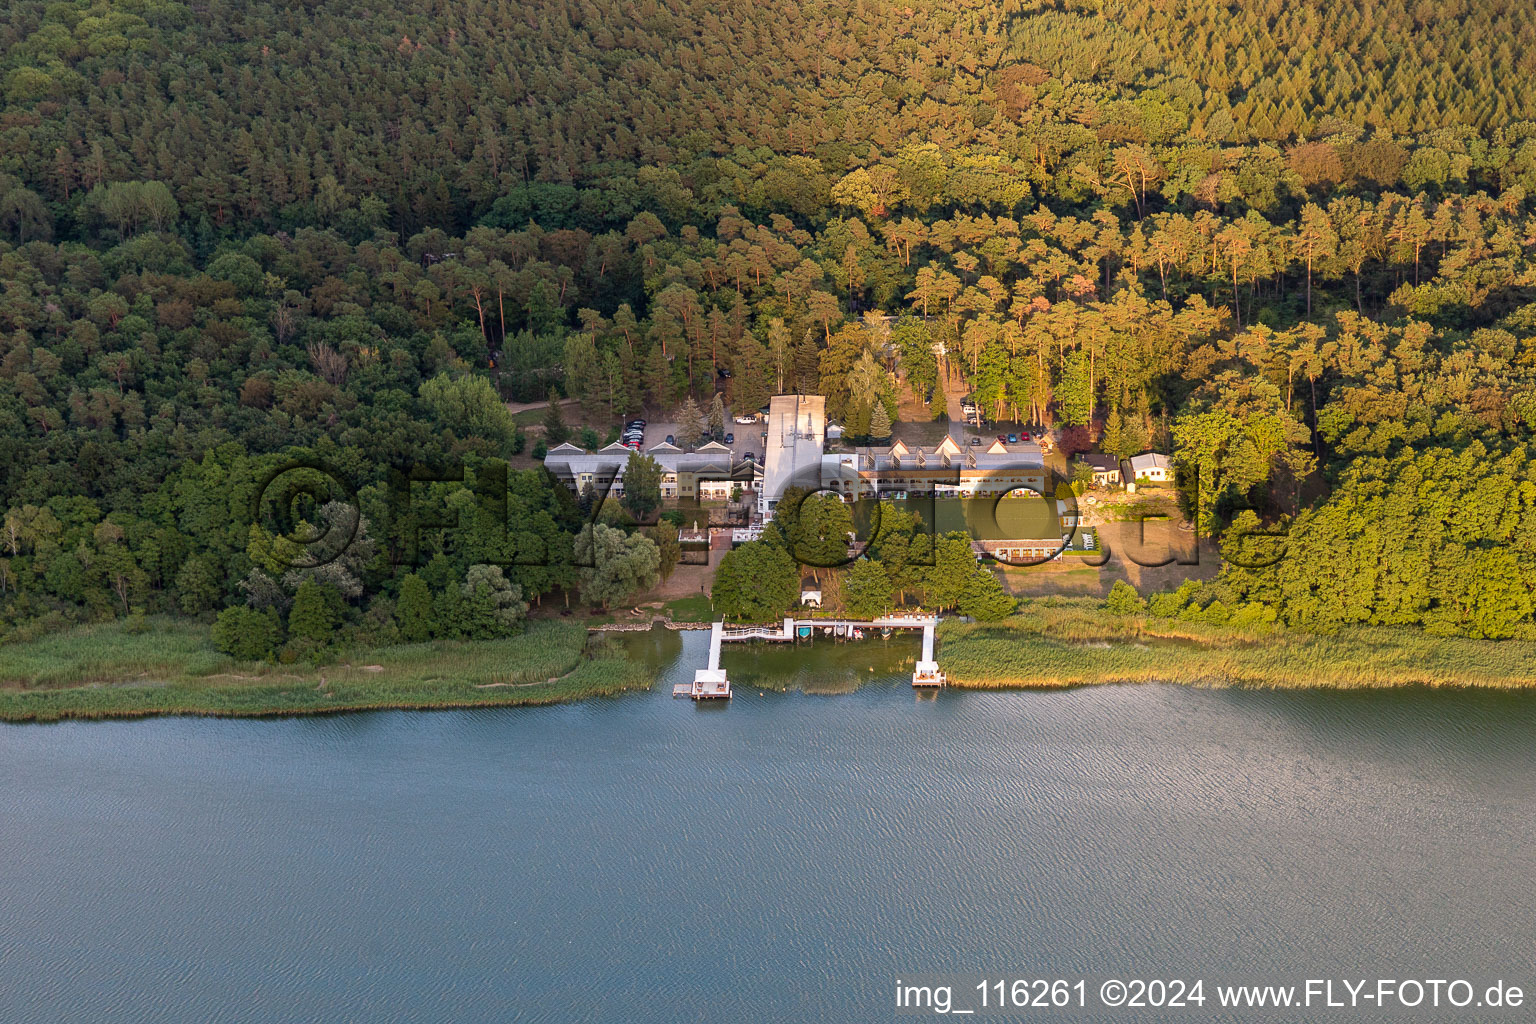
pixel 748 436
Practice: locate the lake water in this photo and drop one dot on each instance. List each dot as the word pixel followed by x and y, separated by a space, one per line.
pixel 784 858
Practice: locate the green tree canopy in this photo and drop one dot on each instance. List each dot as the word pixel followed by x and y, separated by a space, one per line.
pixel 642 486
pixel 616 566
pixel 866 589
pixel 756 582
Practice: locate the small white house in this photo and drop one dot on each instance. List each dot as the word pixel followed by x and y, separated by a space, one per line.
pixel 1105 468
pixel 810 598
pixel 1150 466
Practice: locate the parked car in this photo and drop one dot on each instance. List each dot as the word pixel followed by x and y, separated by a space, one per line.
pixel 1024 436
pixel 1003 438
pixel 750 456
pixel 730 438
pixel 723 372
pixel 1013 438
pixel 746 419
pixel 975 440
pixel 671 439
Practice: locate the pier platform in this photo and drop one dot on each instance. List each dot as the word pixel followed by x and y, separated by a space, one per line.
pixel 711 682
pixel 927 673
pixel 708 683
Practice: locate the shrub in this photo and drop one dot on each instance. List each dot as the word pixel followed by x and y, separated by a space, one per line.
pixel 1251 613
pixel 414 612
pixel 1123 599
pixel 984 599
pixel 313 615
pixel 246 634
pixel 1169 606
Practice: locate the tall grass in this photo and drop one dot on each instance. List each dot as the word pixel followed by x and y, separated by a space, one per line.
pixel 110 653
pixel 1069 642
pixel 105 671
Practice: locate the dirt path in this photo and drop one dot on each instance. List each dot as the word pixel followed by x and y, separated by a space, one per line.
pixel 954 394
pixel 908 408
pixel 685 581
pixel 516 407
pixel 518 686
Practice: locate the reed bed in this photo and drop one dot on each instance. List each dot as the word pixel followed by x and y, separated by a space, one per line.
pixel 105 672
pixel 1072 642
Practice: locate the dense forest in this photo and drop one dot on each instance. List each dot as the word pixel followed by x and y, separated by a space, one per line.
pixel 1290 243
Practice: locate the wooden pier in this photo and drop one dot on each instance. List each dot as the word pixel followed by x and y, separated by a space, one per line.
pixel 711 682
pixel 927 673
pixel 708 683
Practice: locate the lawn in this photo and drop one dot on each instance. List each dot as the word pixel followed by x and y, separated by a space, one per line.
pixel 689 609
pixel 988 518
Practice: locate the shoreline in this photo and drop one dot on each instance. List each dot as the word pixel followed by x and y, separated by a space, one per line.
pixel 104 672
pixel 1069 642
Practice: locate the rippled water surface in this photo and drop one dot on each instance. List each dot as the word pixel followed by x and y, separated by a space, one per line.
pixel 642 859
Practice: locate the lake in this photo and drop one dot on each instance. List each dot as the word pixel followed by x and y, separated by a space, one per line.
pixel 782 858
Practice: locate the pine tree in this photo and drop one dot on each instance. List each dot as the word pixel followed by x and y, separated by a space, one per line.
pixel 879 422
pixel 690 423
pixel 555 430
pixel 717 416
pixel 658 378
pixel 858 420
pixel 1112 441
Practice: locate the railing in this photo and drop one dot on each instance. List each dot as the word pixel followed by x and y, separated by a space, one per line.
pixel 753 633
